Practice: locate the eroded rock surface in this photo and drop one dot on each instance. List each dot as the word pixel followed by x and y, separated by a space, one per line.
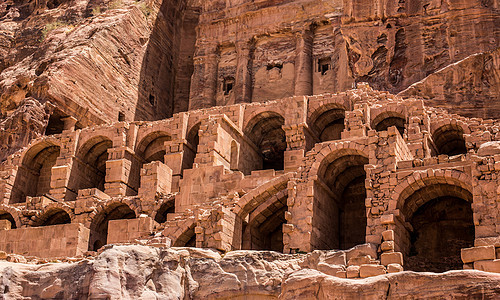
pixel 133 272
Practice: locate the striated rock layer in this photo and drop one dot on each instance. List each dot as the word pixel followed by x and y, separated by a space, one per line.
pixel 133 272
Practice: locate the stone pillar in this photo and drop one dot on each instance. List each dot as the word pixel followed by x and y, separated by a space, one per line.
pixel 303 64
pixel 122 172
pixel 243 80
pixel 204 80
pixel 156 178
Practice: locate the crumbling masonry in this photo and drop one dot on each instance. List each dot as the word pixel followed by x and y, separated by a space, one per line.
pixel 419 186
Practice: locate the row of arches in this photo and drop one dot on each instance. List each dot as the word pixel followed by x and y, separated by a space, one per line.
pixel 436 212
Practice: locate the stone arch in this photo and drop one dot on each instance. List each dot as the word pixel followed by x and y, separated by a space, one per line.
pixel 235 153
pixel 114 210
pixel 263 227
pixel 164 208
pixel 11 214
pixel 388 118
pixel 89 169
pixel 436 220
pixel 324 153
pixel 152 148
pixel 327 121
pixel 262 214
pixel 185 237
pixel 265 130
pixel 193 140
pixel 54 214
pixel 259 195
pixel 35 171
pixel 340 192
pixel 448 137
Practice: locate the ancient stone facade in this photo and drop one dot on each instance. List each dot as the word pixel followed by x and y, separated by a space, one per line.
pixel 405 184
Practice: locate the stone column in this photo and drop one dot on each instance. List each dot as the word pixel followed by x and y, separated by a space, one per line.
pixel 122 172
pixel 303 64
pixel 204 79
pixel 243 80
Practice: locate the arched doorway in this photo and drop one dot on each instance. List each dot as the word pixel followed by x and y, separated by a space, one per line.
pixel 263 227
pixel 34 174
pixel 340 195
pixel 439 224
pixel 90 169
pixel 266 131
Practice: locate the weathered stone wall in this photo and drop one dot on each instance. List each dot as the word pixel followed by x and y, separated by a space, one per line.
pixel 395 165
pixel 67 240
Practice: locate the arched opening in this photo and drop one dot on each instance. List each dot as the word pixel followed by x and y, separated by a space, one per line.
pixel 187 239
pixel 438 225
pixel 388 119
pixel 263 228
pixel 449 140
pixel 152 147
pixel 328 124
pixel 54 217
pixel 234 156
pixel 91 168
pixel 56 124
pixel 193 139
pixel 99 225
pixel 34 174
pixel 7 216
pixel 166 208
pixel 266 132
pixel 340 193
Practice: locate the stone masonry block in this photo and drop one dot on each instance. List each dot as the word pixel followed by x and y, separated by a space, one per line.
pixel 488 265
pixel 478 253
pixel 391 258
pixel 369 270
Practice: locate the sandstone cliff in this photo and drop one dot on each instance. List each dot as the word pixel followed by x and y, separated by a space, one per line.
pixel 140 272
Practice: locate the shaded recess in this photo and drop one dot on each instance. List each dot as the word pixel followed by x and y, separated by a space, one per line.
pixel 449 140
pixel 7 216
pixel 340 212
pixel 166 208
pixel 328 123
pixel 439 225
pixel 167 66
pixel 99 225
pixel 89 169
pixel 193 139
pixel 387 119
pixel 263 229
pixel 187 239
pixel 266 131
pixel 54 216
pixel 34 174
pixel 152 147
